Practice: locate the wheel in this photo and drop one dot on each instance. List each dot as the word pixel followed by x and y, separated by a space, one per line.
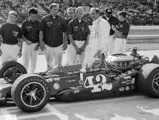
pixel 11 70
pixel 30 92
pixel 148 80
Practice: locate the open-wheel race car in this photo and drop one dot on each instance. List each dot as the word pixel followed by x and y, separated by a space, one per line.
pixel 120 74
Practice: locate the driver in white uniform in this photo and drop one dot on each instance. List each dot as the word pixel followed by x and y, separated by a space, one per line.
pixel 98 41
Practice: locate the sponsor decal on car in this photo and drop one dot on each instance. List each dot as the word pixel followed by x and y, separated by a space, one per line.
pixel 56 86
pixel 97 83
pixel 121 89
pixel 69 81
pixel 127 88
pixel 49 80
pixel 57 79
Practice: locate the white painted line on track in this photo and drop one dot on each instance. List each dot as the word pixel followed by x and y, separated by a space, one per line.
pixel 152 111
pixel 57 113
pixel 34 116
pixel 84 118
pixel 7 115
pixel 118 117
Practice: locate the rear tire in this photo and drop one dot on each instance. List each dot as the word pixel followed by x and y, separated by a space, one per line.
pixel 11 70
pixel 148 80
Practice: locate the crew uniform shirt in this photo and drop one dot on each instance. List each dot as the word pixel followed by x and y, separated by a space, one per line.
pixel 53 29
pixel 30 30
pixel 112 21
pixel 78 29
pixel 67 22
pixel 10 33
pixel 124 27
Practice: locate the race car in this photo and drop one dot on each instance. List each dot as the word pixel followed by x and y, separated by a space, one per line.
pixel 120 74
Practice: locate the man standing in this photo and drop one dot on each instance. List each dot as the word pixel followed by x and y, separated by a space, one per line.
pixel 112 21
pixel 53 38
pixel 121 32
pixel 10 35
pixel 67 56
pixel 30 31
pixel 78 32
pixel 97 45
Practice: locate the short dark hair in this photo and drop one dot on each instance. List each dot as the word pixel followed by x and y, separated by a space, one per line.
pixel 97 10
pixel 13 13
pixel 54 5
pixel 33 11
pixel 122 13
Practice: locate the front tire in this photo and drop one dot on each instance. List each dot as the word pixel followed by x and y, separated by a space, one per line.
pixel 30 92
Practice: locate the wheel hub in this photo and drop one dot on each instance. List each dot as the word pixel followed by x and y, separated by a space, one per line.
pixel 33 94
pixel 155 83
pixel 12 74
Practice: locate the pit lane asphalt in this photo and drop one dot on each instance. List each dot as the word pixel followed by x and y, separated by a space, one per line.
pixel 135 107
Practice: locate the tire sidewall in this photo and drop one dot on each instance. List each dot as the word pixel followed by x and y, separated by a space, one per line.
pixel 149 83
pixel 11 64
pixel 16 93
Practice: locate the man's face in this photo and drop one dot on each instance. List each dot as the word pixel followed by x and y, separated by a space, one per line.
pixel 79 13
pixel 12 18
pixel 54 10
pixel 120 18
pixel 33 17
pixel 71 13
pixel 108 15
pixel 93 14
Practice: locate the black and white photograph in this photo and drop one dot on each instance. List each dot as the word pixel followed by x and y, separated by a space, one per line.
pixel 79 59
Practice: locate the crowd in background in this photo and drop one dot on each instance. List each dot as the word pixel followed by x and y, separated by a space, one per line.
pixel 137 14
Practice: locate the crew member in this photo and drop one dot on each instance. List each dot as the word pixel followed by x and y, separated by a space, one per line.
pixel 67 56
pixel 112 21
pixel 53 37
pixel 78 32
pixel 10 35
pixel 121 31
pixel 30 31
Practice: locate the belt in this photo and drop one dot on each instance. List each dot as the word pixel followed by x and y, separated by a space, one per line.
pixel 79 40
pixel 121 37
pixel 10 43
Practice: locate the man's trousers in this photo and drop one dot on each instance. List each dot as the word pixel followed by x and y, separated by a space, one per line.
pixel 53 55
pixel 9 52
pixel 29 57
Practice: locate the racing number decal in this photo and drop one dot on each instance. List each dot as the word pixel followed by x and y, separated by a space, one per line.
pixel 100 84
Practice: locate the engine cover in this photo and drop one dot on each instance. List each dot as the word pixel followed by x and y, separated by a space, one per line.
pixel 120 61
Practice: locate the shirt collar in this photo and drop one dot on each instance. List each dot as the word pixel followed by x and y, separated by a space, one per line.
pixel 30 20
pixel 97 20
pixel 79 20
pixel 53 17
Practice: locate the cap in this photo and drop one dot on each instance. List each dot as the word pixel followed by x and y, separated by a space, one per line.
pixel 108 10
